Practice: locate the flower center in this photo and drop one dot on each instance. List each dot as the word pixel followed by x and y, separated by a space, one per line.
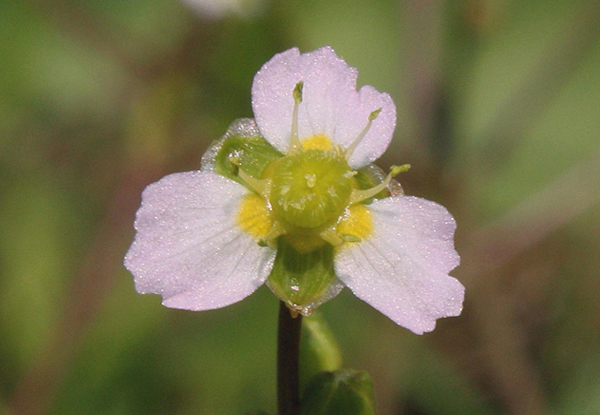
pixel 311 188
pixel 309 197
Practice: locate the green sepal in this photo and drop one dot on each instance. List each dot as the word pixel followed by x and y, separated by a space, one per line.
pixel 243 147
pixel 346 391
pixel 303 280
pixel 319 351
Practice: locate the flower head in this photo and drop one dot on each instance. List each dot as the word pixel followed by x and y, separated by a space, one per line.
pixel 294 201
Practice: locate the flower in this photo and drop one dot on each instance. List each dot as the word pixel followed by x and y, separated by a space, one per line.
pixel 294 201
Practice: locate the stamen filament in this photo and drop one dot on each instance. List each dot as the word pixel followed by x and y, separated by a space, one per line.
pixel 362 134
pixel 294 139
pixel 259 186
pixel 358 196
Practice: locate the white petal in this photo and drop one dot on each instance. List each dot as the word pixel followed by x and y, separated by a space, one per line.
pixel 188 247
pixel 328 80
pixel 402 269
pixel 354 120
pixel 331 105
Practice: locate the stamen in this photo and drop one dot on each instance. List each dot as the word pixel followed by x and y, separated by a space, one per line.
pixel 358 196
pixel 259 186
pixel 362 135
pixel 294 140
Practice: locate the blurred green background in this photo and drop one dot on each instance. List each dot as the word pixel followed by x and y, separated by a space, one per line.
pixel 498 114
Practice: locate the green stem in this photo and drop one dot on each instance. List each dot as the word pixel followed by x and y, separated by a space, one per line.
pixel 288 362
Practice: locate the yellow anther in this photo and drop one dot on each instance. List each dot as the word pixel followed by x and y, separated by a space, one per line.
pixel 254 216
pixel 317 142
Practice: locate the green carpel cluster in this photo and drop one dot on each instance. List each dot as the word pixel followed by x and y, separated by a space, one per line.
pixel 311 188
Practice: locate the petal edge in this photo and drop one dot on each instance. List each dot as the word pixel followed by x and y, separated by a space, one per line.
pixel 188 247
pixel 406 281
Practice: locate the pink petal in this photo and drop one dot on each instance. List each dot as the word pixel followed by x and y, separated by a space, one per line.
pixel 331 104
pixel 188 247
pixel 402 269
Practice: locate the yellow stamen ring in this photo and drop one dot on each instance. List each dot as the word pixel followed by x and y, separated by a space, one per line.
pixel 356 224
pixel 317 142
pixel 254 216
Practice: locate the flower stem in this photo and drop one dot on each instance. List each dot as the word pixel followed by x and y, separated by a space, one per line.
pixel 288 359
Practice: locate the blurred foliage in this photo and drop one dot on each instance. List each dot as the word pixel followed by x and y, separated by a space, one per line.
pixel 497 113
pixel 319 351
pixel 344 391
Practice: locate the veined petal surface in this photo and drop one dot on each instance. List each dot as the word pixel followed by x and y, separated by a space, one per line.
pixel 355 118
pixel 402 269
pixel 189 248
pixel 331 105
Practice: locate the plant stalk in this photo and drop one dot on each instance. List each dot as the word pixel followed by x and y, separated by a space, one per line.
pixel 288 361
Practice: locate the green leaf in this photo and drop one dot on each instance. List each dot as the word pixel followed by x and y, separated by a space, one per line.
pixel 346 391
